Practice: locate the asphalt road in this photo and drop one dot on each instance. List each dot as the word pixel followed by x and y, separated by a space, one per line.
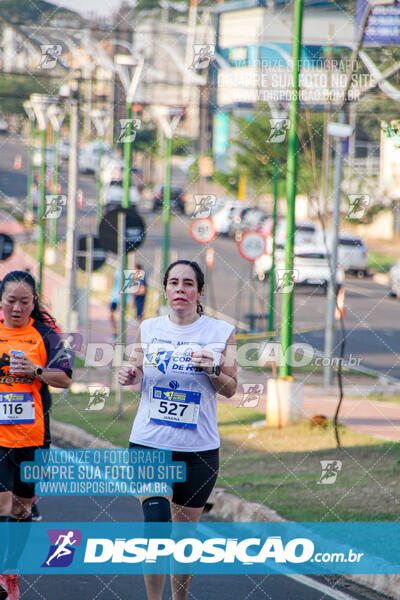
pixel 95 587
pixel 371 319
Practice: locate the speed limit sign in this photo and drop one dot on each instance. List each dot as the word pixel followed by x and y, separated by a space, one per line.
pixel 203 231
pixel 251 245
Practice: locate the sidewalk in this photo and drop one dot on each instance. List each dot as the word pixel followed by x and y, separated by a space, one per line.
pixel 358 412
pixel 380 419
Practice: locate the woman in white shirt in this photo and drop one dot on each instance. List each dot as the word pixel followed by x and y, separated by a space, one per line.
pixel 188 356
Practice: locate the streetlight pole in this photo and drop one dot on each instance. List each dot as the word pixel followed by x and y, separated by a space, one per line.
pixel 332 287
pixel 287 298
pixel 341 131
pixel 56 117
pixel 40 104
pixel 271 316
pixel 127 157
pixel 29 196
pixel 100 119
pixel 129 68
pixel 70 257
pixel 168 119
pixel 167 202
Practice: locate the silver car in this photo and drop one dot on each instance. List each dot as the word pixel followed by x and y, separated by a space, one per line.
pixel 352 254
pixel 394 280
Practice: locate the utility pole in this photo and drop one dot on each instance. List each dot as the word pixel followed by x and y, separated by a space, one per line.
pixel 70 258
pixel 341 131
pixel 40 104
pixel 326 148
pixel 29 198
pixel 287 298
pixel 332 291
pixel 275 180
pixel 56 116
pixel 168 119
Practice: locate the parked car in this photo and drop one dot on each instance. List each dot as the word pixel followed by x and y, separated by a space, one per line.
pixel 305 232
pixel 112 169
pixel 265 226
pixel 3 124
pixel 263 264
pixel 177 203
pixel 222 219
pixel 394 280
pixel 88 161
pixel 49 156
pixel 352 254
pixel 113 195
pixel 248 218
pixel 311 267
pixel 63 149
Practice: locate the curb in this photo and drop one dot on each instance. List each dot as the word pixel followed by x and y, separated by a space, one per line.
pixel 226 506
pixel 75 436
pixel 231 508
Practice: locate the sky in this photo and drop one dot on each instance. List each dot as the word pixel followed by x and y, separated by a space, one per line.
pixel 101 7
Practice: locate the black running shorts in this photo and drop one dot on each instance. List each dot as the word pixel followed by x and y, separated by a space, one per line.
pixel 201 475
pixel 10 471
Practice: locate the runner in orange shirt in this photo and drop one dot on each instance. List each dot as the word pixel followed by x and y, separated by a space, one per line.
pixel 30 361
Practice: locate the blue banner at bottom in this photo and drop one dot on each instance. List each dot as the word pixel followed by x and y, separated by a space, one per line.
pixel 203 548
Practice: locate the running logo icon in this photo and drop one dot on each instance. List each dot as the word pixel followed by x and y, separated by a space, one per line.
pixel 159 360
pixel 50 54
pixel 358 203
pixel 204 204
pixel 63 543
pixel 203 54
pixel 54 206
pixel 329 471
pixel 251 394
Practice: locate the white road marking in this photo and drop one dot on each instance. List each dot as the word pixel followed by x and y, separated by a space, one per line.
pixel 304 580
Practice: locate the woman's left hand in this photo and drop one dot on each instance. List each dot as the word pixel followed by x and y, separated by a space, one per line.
pixel 22 364
pixel 203 360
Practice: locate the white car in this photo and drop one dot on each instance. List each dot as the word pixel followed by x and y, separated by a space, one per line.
pixel 49 156
pixel 223 218
pixel 352 254
pixel 63 149
pixel 394 280
pixel 305 232
pixel 88 161
pixel 3 124
pixel 112 169
pixel 114 193
pixel 310 266
pixel 263 264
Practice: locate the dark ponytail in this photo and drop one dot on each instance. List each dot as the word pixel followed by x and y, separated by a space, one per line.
pixel 199 277
pixel 38 313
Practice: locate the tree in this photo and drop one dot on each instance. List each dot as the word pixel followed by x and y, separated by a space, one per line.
pixel 25 11
pixel 15 89
pixel 256 147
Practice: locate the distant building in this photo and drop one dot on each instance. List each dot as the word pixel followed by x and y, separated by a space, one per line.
pixel 254 55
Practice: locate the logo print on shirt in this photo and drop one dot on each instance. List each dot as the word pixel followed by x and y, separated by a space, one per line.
pixel 173 384
pixel 160 360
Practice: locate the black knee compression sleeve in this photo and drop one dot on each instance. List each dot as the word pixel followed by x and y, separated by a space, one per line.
pixel 156 510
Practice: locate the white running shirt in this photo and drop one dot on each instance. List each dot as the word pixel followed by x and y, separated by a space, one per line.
pixel 178 408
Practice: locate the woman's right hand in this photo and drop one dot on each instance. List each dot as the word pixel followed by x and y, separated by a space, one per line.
pixel 127 376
